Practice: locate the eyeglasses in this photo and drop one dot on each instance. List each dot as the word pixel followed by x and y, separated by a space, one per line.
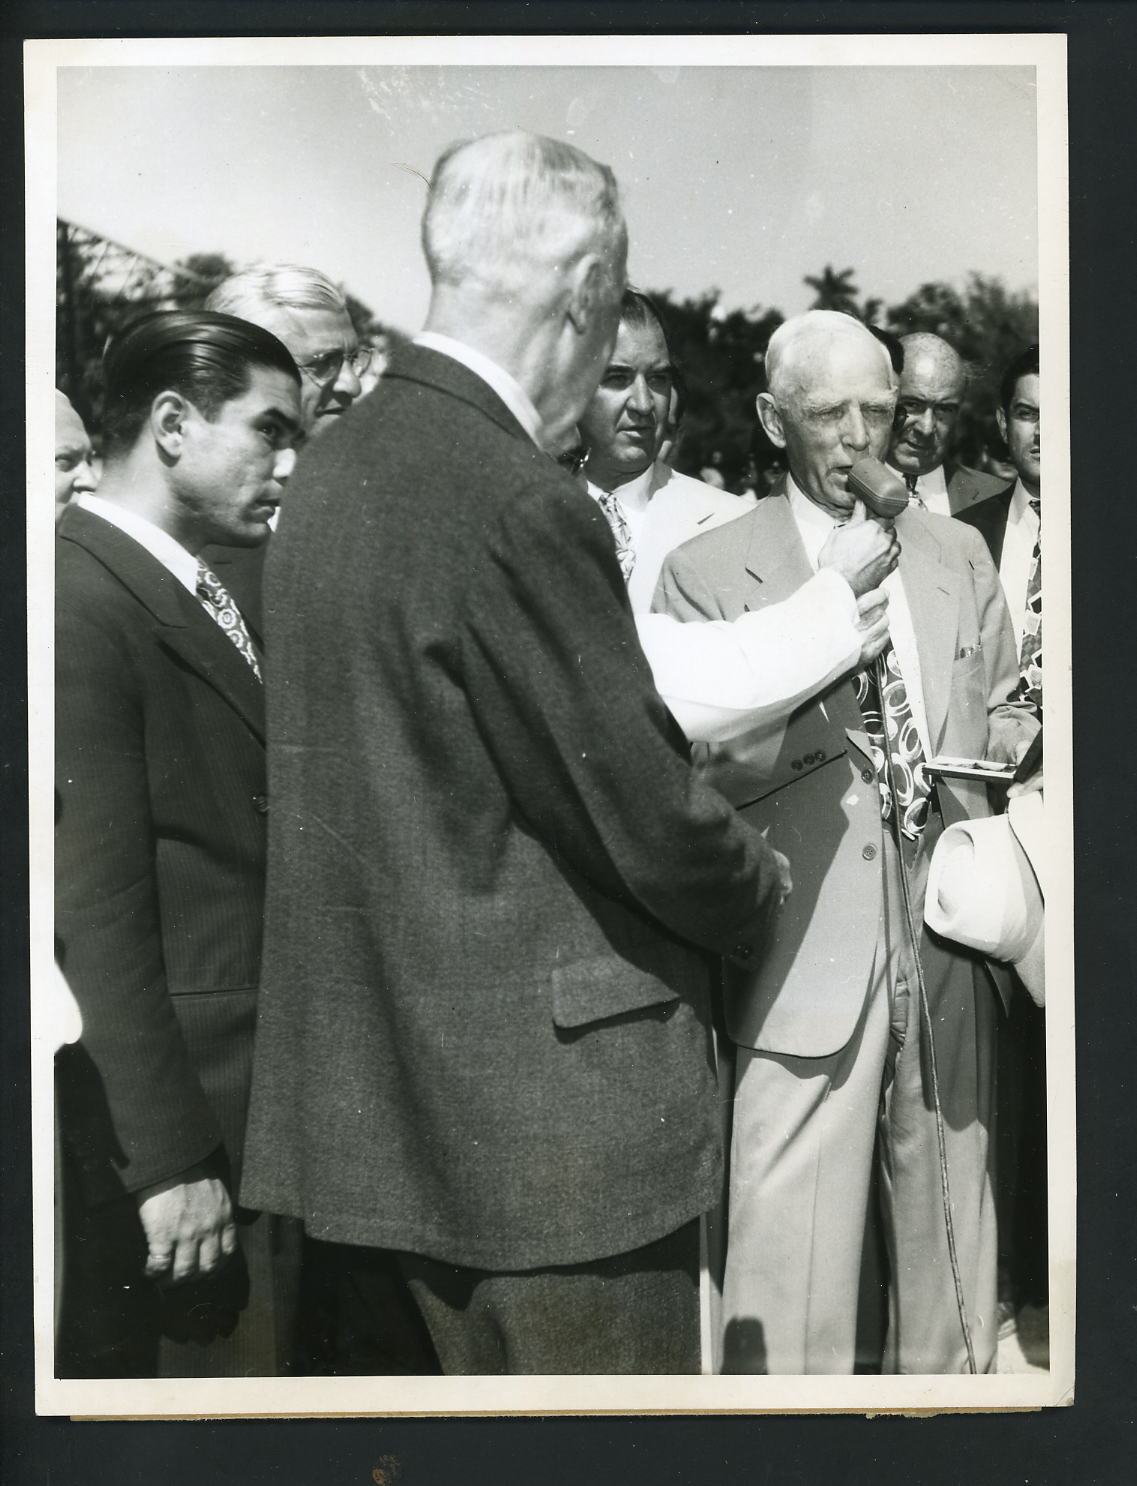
pixel 326 368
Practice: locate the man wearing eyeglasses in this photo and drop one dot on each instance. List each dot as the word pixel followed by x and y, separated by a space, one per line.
pixel 933 383
pixel 305 310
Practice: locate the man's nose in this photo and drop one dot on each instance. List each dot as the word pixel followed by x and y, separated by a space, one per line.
pixel 924 423
pixel 855 434
pixel 84 481
pixel 285 463
pixel 347 385
pixel 639 399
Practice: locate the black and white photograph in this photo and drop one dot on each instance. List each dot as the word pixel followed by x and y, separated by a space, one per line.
pixel 543 893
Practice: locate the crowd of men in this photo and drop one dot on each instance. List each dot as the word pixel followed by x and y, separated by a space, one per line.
pixel 497 918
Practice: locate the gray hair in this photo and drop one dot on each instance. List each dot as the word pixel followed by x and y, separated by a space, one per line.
pixel 506 205
pixel 284 285
pixel 812 326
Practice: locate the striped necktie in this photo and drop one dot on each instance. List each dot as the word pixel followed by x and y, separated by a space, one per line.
pixel 218 604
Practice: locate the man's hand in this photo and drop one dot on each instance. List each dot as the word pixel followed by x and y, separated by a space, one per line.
pixel 785 881
pixel 872 621
pixel 188 1222
pixel 863 551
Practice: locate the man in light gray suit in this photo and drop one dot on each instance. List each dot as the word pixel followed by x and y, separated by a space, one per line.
pixel 831 1023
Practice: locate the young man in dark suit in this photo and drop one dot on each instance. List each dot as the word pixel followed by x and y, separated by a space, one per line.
pixel 161 846
pixel 484 1038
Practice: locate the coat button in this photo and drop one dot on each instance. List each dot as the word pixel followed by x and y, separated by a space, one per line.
pixel 260 804
pixel 795 764
pixel 867 776
pixel 869 853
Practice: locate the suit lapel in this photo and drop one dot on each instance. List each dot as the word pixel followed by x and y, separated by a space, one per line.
pixel 180 622
pixel 932 591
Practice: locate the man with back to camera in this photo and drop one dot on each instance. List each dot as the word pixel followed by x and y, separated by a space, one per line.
pixel 309 315
pixel 160 852
pixel 933 384
pixel 828 1023
pixel 74 457
pixel 484 1040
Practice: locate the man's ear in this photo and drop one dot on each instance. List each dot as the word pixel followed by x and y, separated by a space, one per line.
pixel 168 414
pixel 587 281
pixel 770 417
pixel 1001 420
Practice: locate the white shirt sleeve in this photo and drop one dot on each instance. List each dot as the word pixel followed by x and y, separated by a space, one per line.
pixel 722 678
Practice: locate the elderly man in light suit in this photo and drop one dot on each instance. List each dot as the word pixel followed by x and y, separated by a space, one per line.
pixel 832 1054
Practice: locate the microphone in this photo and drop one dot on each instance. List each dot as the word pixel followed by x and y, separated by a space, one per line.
pixel 881 489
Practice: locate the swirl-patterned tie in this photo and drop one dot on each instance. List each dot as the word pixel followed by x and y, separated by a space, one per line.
pixel 609 503
pixel 886 709
pixel 217 603
pixel 1029 688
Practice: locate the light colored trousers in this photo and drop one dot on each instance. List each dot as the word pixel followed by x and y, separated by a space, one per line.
pixel 806 1134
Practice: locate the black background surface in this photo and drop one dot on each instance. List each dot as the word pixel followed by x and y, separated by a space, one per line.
pixel 1092 1442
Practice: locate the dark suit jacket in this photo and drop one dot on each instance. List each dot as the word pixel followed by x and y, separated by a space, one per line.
pixel 965 486
pixel 989 518
pixel 484 1031
pixel 814 789
pixel 159 861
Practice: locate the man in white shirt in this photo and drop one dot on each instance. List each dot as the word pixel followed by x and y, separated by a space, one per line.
pixel 160 851
pixel 933 384
pixel 1009 521
pixel 1010 525
pixel 829 1026
pixel 651 507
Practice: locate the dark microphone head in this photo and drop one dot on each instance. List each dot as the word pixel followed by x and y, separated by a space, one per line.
pixel 881 489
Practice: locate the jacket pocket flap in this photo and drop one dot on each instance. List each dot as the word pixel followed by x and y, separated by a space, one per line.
pixel 596 989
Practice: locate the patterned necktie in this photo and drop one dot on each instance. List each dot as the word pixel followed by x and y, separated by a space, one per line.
pixel 221 607
pixel 1030 653
pixel 914 499
pixel 609 503
pixel 889 709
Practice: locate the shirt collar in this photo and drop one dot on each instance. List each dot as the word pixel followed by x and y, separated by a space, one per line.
pixel 933 483
pixel 1020 502
pixel 160 545
pixel 814 524
pixel 511 392
pixel 633 494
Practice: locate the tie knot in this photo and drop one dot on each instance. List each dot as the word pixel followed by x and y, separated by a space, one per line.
pixel 910 481
pixel 209 584
pixel 1036 505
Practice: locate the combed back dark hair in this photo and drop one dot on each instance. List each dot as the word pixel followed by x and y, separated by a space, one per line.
pixel 638 308
pixel 205 356
pixel 1025 364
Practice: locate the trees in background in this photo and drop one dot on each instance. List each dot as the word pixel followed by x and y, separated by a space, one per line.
pixel 721 358
pixel 102 284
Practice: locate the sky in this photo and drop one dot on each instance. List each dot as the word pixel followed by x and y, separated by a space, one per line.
pixel 741 178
